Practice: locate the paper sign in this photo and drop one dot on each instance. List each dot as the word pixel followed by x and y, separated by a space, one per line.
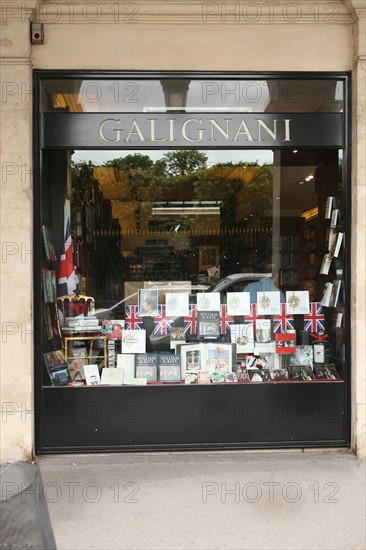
pixel 134 341
pixel 92 376
pixel 113 377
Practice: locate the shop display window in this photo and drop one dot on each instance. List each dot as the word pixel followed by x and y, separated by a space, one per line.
pixel 201 265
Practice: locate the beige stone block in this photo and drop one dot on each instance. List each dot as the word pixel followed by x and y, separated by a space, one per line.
pixel 16 439
pixel 14 32
pixel 359 431
pixel 16 89
pixel 197 47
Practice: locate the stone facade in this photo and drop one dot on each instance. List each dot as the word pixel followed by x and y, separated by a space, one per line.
pixel 152 35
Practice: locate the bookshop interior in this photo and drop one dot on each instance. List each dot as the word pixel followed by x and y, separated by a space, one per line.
pixel 203 247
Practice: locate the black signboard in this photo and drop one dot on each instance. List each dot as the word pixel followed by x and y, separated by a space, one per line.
pixel 191 130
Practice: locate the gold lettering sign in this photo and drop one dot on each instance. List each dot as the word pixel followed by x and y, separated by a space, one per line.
pixel 194 130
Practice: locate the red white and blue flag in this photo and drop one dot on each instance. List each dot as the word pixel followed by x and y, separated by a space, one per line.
pixel 190 322
pixel 315 321
pixel 283 322
pixel 253 317
pixel 162 323
pixel 67 278
pixel 225 321
pixel 132 320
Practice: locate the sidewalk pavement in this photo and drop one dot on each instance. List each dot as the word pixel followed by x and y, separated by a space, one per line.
pixel 217 500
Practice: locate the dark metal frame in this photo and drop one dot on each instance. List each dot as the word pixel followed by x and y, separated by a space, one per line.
pixel 340 391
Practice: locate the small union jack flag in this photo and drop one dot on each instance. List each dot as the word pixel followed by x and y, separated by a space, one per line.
pixel 67 278
pixel 315 321
pixel 162 324
pixel 133 321
pixel 253 317
pixel 225 321
pixel 190 322
pixel 283 322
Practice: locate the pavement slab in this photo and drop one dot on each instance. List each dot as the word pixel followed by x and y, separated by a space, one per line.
pixel 210 500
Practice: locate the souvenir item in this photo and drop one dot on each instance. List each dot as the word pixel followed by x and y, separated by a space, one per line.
pixel 286 342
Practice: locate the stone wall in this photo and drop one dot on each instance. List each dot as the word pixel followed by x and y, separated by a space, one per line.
pixel 153 35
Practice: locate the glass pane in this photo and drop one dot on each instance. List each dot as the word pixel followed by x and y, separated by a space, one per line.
pixel 211 95
pixel 159 232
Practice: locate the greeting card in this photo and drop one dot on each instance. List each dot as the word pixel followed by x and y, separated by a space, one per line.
pixel 243 336
pixel 176 304
pixel 92 376
pixel 208 301
pixel 113 377
pixel 134 341
pixel 268 303
pixel 297 302
pixel 238 303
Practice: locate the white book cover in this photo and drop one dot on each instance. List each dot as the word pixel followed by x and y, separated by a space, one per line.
pixel 92 376
pixel 243 336
pixel 111 354
pixel 208 301
pixel 263 330
pixel 328 288
pixel 339 319
pixel 113 377
pixel 268 303
pixel 126 361
pixel 135 382
pixel 176 304
pixel 332 239
pixel 334 218
pixel 328 208
pixel 238 303
pixel 337 285
pixel 134 341
pixel 338 245
pixel 265 347
pixel 297 302
pixel 326 263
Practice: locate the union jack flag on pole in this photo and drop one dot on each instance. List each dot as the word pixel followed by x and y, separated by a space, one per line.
pixel 315 321
pixel 190 322
pixel 162 323
pixel 132 320
pixel 225 321
pixel 283 322
pixel 253 317
pixel 67 278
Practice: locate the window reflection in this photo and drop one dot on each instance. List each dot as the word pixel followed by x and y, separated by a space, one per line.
pixel 211 95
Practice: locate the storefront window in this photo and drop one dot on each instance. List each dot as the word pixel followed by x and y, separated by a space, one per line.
pixel 196 232
pixel 190 235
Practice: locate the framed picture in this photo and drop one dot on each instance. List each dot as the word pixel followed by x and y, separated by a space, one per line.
pixel 212 357
pixel 148 302
pixel 208 256
pixel 57 368
pixel 259 375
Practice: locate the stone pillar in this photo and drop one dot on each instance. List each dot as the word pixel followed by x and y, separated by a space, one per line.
pixel 357 9
pixel 16 264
